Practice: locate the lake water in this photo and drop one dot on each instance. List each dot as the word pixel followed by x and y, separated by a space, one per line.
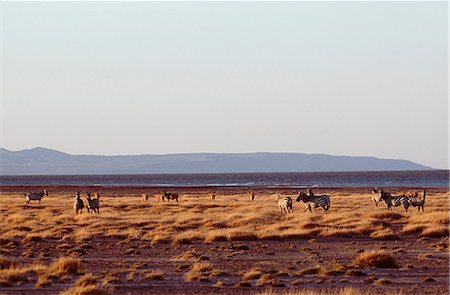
pixel 429 178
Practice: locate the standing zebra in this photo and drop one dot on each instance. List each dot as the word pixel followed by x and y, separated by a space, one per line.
pixel 417 201
pixel 93 204
pixel 394 201
pixel 78 204
pixel 284 203
pixel 35 196
pixel 322 201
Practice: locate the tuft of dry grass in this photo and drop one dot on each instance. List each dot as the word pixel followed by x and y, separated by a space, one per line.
pixel 199 271
pixel 436 231
pixel 384 234
pixel 387 215
pixel 65 266
pixel 85 290
pixel 252 274
pixel 377 258
pixel 153 275
pixel 6 263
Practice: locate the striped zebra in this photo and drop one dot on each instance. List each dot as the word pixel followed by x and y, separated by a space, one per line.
pixel 417 201
pixel 93 204
pixel 284 203
pixel 36 196
pixel 394 201
pixel 78 204
pixel 322 201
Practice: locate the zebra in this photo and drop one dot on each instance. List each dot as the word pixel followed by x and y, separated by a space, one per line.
pixel 212 196
pixel 35 196
pixel 93 204
pixel 394 201
pixel 251 196
pixel 171 196
pixel 417 201
pixel 322 201
pixel 284 203
pixel 78 204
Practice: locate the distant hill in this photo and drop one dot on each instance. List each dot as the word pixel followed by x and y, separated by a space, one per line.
pixel 50 162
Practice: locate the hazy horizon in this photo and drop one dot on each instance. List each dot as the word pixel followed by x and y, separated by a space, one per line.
pixel 129 78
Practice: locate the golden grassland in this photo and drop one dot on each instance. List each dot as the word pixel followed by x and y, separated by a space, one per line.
pixel 231 218
pixel 197 220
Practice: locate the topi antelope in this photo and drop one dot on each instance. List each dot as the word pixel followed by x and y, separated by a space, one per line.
pixel 251 196
pixel 212 196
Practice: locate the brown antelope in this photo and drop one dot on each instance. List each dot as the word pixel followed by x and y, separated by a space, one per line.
pixel 251 196
pixel 212 196
pixel 171 196
pixel 159 197
pixel 417 201
pixel 144 198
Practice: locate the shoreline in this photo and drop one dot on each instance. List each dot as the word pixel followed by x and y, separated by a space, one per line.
pixel 121 189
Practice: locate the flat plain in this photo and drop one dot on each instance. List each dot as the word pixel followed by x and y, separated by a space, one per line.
pixel 227 246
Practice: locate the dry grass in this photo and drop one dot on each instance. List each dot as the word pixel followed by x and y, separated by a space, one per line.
pixel 199 271
pixel 252 274
pixel 227 219
pixel 334 291
pixel 377 258
pixel 65 266
pixel 153 275
pixel 196 221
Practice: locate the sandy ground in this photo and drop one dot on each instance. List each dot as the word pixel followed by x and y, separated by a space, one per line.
pixel 241 247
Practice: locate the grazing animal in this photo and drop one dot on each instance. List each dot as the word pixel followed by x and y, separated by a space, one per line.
pixel 284 203
pixel 144 198
pixel 322 201
pixel 78 204
pixel 93 204
pixel 417 201
pixel 36 196
pixel 159 197
pixel 212 196
pixel 376 196
pixel 171 196
pixel 394 201
pixel 251 195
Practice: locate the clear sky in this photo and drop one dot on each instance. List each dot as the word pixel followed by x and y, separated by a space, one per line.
pixel 342 78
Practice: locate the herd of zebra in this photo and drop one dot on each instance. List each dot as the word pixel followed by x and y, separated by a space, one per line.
pixel 406 199
pixel 285 203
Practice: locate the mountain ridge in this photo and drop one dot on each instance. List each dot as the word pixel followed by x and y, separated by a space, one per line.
pixel 46 161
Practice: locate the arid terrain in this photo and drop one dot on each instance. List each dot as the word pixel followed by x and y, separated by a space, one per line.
pixel 226 246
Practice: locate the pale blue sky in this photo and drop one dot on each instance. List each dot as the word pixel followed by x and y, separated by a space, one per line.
pixel 342 78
